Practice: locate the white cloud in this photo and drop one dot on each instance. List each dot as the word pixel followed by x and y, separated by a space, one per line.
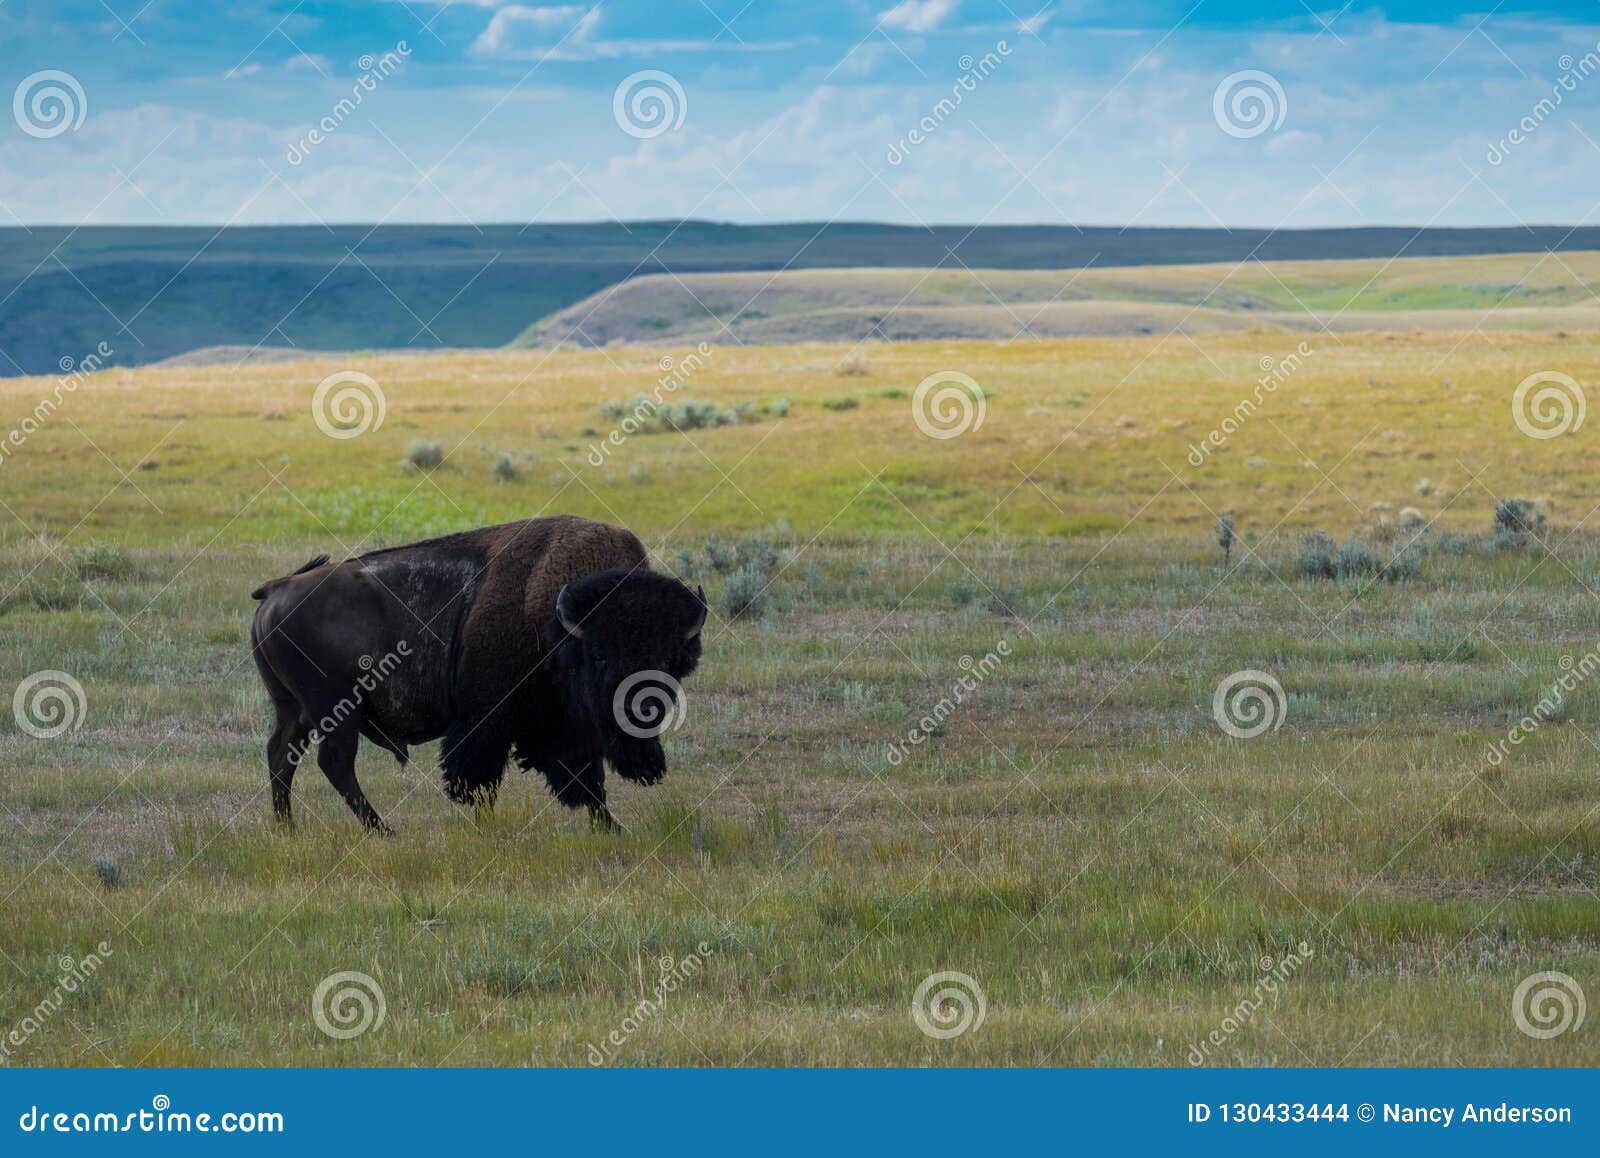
pixel 569 32
pixel 917 15
pixel 517 29
pixel 308 62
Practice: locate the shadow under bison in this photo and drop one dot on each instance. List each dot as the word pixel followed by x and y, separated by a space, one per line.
pixel 548 639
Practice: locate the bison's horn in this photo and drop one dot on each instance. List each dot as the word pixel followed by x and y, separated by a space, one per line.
pixel 700 620
pixel 565 616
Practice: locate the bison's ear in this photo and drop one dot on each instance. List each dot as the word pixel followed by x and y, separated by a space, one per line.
pixel 564 614
pixel 699 620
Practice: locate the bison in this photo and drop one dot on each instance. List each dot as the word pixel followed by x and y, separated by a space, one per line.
pixel 548 639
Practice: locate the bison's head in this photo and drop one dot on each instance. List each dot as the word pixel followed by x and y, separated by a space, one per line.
pixel 630 640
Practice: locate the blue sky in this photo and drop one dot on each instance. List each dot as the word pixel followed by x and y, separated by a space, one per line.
pixel 1099 112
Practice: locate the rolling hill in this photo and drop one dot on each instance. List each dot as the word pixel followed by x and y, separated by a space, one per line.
pixel 1507 291
pixel 153 293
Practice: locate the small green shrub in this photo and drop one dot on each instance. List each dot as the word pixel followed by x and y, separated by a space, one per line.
pixel 853 365
pixel 424 454
pixel 505 467
pixel 744 595
pixel 1315 558
pixel 757 553
pixel 1002 601
pixel 1319 558
pixel 1225 537
pixel 103 561
pixel 691 414
pixel 841 404
pixel 717 558
pixel 1517 522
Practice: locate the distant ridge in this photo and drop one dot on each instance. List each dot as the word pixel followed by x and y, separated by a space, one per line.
pixel 150 293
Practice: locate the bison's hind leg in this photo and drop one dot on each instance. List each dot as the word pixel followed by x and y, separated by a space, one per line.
pixel 473 756
pixel 336 755
pixel 287 744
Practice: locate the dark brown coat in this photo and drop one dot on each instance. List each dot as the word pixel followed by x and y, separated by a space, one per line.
pixel 459 638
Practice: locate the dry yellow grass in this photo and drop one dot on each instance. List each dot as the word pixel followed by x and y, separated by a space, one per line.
pixel 1078 437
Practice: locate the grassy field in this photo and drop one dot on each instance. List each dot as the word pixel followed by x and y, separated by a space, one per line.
pixel 1079 836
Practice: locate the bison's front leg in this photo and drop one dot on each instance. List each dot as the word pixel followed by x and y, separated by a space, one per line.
pixel 474 759
pixel 642 760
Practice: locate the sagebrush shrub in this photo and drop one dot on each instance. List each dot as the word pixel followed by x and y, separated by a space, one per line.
pixel 424 454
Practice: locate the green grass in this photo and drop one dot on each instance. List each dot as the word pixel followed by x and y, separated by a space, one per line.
pixel 1079 836
pixel 1086 437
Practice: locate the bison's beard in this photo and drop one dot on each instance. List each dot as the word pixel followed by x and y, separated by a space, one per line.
pixel 642 760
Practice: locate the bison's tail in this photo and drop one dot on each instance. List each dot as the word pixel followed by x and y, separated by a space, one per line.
pixel 311 565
